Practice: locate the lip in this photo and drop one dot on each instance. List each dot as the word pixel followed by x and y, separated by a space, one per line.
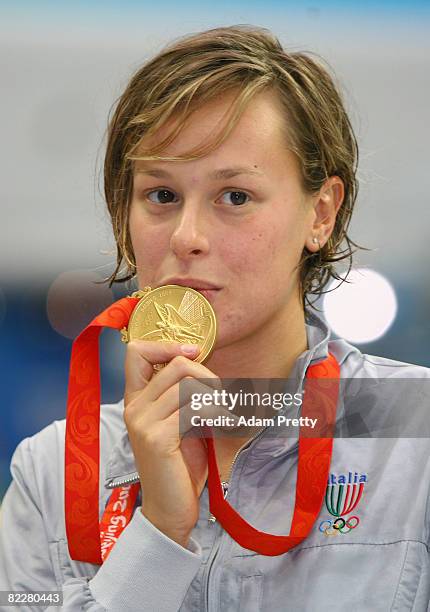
pixel 209 294
pixel 194 283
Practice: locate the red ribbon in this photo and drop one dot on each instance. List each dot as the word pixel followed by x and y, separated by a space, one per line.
pixel 82 452
pixel 117 515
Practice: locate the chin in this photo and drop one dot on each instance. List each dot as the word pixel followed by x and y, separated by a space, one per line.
pixel 231 334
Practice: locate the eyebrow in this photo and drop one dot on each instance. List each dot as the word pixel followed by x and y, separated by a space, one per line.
pixel 223 173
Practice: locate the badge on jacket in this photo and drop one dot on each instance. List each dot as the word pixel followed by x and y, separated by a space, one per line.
pixel 343 494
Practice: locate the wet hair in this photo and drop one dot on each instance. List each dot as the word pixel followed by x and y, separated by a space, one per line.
pixel 244 60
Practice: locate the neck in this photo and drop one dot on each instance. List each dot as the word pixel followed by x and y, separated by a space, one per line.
pixel 268 353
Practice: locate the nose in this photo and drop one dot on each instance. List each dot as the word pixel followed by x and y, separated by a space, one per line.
pixel 188 238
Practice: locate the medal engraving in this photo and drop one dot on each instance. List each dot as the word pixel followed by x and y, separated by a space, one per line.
pixel 173 313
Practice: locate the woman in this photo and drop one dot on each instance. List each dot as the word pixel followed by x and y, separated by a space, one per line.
pixel 231 169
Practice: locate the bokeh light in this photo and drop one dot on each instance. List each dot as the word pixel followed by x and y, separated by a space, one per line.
pixel 74 300
pixel 361 309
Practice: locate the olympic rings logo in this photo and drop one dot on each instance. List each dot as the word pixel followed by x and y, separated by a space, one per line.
pixel 340 525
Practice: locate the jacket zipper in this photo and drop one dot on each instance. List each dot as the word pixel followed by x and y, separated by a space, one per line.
pixel 225 483
pixel 112 484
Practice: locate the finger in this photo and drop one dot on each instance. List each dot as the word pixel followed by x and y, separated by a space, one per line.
pixel 142 355
pixel 174 398
pixel 178 369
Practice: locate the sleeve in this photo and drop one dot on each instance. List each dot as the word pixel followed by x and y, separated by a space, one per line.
pixel 145 570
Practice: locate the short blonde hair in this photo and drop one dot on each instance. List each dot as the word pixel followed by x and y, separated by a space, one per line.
pixel 196 69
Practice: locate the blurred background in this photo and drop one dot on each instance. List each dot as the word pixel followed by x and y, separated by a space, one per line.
pixel 62 67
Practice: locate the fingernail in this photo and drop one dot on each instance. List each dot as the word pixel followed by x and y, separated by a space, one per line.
pixel 189 349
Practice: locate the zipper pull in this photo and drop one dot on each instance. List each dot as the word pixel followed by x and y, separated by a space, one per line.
pixel 224 485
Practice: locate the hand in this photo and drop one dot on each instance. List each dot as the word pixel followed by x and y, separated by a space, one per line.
pixel 172 471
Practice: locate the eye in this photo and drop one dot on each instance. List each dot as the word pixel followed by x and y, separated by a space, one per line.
pixel 237 199
pixel 165 195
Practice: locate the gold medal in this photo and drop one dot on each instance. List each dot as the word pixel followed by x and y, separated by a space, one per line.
pixel 173 313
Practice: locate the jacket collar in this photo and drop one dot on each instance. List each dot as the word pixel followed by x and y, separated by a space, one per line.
pixel 121 465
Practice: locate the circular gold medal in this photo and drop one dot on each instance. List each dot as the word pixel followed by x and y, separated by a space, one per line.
pixel 173 313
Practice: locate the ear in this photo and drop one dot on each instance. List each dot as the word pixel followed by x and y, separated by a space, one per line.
pixel 325 208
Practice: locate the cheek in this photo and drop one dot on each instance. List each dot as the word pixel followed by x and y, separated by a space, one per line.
pixel 260 251
pixel 148 242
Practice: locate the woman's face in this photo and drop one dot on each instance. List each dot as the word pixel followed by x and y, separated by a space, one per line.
pixel 244 234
